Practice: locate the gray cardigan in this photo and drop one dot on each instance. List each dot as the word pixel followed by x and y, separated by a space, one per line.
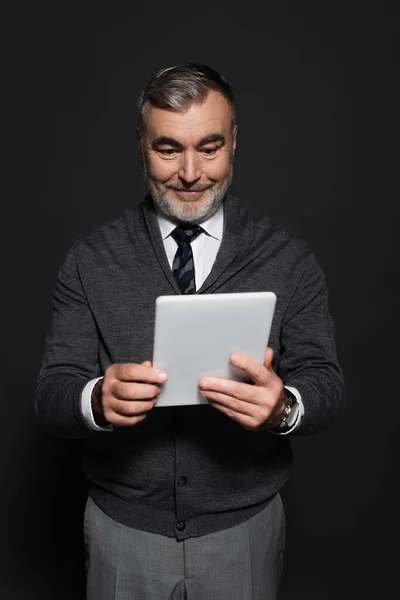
pixel 183 471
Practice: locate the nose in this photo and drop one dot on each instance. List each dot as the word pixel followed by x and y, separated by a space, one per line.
pixel 189 171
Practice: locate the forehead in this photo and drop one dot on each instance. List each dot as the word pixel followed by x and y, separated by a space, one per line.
pixel 211 116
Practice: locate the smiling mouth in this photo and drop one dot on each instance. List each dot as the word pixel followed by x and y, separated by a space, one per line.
pixel 189 194
pixel 190 191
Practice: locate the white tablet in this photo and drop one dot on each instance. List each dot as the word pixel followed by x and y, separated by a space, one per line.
pixel 195 335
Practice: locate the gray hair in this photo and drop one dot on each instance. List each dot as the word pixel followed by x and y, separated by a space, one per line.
pixel 180 86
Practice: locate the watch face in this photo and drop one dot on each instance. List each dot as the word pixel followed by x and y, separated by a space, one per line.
pixel 291 418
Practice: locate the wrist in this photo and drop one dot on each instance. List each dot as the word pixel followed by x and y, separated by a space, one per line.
pixel 290 410
pixel 97 405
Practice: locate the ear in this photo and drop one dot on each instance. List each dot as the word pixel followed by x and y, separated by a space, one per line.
pixel 139 139
pixel 140 142
pixel 234 135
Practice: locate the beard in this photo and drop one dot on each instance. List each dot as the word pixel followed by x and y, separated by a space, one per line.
pixel 190 211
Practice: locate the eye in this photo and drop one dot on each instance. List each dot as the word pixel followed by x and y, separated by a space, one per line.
pixel 168 152
pixel 209 151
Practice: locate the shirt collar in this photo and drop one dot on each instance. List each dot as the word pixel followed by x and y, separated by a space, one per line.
pixel 212 226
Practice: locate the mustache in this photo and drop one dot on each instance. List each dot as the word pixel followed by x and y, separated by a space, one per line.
pixel 194 188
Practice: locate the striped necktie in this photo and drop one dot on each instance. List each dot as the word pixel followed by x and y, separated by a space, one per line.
pixel 183 264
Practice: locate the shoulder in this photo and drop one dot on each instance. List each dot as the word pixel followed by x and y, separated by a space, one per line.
pixel 103 246
pixel 109 236
pixel 260 234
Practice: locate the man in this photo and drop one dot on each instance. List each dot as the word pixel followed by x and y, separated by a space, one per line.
pixel 184 501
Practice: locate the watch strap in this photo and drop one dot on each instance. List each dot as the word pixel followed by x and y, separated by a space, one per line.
pixel 290 413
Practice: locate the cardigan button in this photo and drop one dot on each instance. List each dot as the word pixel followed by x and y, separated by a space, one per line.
pixel 182 480
pixel 181 525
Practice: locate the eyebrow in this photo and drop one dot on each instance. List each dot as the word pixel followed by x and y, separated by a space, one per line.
pixel 211 139
pixel 168 141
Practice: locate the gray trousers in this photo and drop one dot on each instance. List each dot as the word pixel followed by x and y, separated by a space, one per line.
pixel 240 563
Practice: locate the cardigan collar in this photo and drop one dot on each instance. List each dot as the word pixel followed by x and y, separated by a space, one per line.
pixel 227 252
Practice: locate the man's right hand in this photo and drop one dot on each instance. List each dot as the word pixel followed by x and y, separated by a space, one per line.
pixel 126 393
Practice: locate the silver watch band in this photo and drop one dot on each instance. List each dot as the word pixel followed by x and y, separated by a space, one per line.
pixel 290 413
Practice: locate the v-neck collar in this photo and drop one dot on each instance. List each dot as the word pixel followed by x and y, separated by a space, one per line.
pixel 227 252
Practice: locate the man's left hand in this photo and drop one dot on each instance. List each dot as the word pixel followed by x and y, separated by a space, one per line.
pixel 256 406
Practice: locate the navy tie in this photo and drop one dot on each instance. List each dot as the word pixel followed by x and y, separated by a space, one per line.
pixel 183 265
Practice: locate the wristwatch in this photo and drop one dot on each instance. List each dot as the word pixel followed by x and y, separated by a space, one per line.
pixel 290 412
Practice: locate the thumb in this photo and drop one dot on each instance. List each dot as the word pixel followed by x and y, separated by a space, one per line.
pixel 269 355
pixel 146 363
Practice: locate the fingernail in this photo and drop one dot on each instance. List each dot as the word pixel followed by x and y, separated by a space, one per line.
pixel 162 376
pixel 236 359
pixel 204 383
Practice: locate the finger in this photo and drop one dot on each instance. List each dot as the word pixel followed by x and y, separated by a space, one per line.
pixel 230 403
pixel 269 355
pixel 121 421
pixel 132 408
pixel 256 371
pixel 235 389
pixel 246 421
pixel 146 363
pixel 142 373
pixel 124 390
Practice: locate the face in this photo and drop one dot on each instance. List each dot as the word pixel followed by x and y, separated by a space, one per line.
pixel 188 158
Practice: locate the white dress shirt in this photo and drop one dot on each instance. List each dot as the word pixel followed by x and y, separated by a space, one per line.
pixel 204 248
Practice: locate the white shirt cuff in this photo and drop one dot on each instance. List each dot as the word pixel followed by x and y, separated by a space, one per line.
pixel 86 406
pixel 300 414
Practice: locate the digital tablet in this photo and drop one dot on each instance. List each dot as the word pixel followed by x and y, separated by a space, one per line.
pixel 195 336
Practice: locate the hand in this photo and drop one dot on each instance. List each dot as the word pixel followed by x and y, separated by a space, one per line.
pixel 255 406
pixel 126 393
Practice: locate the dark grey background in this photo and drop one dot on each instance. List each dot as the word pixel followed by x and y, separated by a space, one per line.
pixel 317 91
